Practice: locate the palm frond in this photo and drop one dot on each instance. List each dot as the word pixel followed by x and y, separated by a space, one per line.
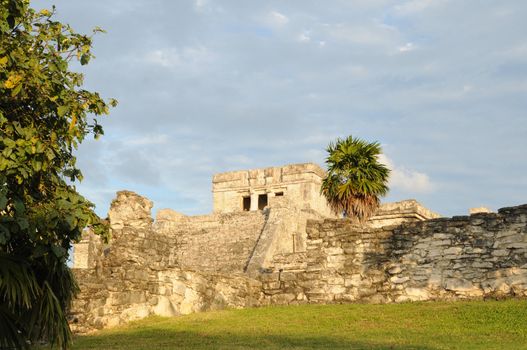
pixel 18 284
pixel 11 336
pixel 47 317
pixel 33 301
pixel 18 289
pixel 49 320
pixel 355 178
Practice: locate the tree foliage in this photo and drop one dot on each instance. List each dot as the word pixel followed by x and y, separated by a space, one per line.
pixel 44 115
pixel 355 179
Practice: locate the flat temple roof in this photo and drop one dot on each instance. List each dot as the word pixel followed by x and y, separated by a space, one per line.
pixel 284 170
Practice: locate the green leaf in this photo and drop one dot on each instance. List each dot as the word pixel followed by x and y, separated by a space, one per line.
pixel 58 251
pixel 50 154
pixel 85 58
pixel 3 199
pixel 39 251
pixel 62 110
pixel 19 206
pixel 5 235
pixel 16 90
pixel 23 223
pixel 71 222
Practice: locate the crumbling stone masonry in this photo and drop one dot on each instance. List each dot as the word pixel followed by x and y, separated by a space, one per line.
pixel 291 252
pixel 250 190
pixel 140 273
pixel 477 256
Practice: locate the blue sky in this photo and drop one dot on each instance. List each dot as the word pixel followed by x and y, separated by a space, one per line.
pixel 210 86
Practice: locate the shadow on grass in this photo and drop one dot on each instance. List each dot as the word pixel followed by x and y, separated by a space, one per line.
pixel 162 340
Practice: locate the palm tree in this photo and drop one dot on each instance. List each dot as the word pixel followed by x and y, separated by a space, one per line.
pixel 35 295
pixel 355 179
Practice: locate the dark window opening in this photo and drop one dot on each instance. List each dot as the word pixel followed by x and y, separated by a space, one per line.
pixel 279 194
pixel 246 203
pixel 262 201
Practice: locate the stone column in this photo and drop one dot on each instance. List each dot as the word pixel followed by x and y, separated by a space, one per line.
pixel 81 254
pixel 254 201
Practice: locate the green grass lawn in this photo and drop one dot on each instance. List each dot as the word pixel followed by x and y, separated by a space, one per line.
pixel 431 325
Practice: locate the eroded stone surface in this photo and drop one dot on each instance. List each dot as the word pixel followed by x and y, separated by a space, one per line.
pixel 298 184
pixel 479 210
pixel 440 259
pixel 287 254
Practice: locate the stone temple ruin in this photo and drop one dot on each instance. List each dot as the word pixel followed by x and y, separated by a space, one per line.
pixel 272 239
pixel 250 190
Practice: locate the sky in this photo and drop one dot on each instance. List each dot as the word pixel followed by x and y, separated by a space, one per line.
pixel 210 86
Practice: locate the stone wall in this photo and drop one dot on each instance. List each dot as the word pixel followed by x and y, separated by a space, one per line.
pixel 289 255
pixel 477 256
pixel 397 213
pixel 178 264
pixel 218 242
pixel 131 292
pixel 140 274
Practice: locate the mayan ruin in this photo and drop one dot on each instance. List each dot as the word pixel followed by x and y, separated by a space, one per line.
pixel 263 175
pixel 271 240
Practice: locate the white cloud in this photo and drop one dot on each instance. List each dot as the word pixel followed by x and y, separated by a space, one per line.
pixel 165 58
pixel 467 88
pixel 407 47
pixel 277 19
pixel 406 179
pixel 518 51
pixel 415 6
pixel 158 139
pixel 355 70
pixel 207 7
pixel 201 5
pixel 304 37
pixel 188 57
pixel 366 34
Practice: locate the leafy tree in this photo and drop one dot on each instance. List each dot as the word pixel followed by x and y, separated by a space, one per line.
pixel 355 179
pixel 44 115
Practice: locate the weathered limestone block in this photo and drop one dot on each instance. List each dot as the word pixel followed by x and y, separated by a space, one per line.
pixel 191 302
pixel 395 270
pixel 399 280
pixel 453 251
pixel 353 281
pixel 169 215
pixel 165 307
pixel 415 294
pixel 478 210
pixel 462 286
pixel 87 252
pixel 501 252
pixel 480 264
pixel 130 209
pixel 390 214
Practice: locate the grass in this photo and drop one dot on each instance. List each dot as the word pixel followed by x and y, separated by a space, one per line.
pixel 427 326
